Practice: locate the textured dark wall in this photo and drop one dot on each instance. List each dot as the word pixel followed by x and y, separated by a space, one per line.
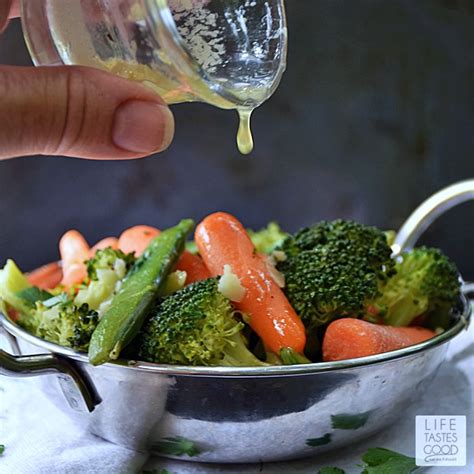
pixel 375 113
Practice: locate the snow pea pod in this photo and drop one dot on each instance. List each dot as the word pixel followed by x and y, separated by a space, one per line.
pixel 129 307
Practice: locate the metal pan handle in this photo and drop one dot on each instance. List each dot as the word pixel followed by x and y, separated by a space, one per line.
pixel 429 211
pixel 76 387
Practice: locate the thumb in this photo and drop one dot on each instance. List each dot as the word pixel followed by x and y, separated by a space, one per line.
pixel 81 112
pixel 8 9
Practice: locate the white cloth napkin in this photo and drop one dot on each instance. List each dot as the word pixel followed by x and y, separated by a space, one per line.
pixel 39 438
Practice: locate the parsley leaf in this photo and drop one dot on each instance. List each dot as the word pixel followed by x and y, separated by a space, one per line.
pixel 380 461
pixel 177 446
pixel 33 294
pixel 2 449
pixel 346 421
pixel 385 461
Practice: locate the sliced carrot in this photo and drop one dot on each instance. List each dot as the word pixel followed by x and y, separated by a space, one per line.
pixel 194 267
pixel 136 239
pixel 350 338
pixel 46 277
pixel 74 251
pixel 222 240
pixel 111 242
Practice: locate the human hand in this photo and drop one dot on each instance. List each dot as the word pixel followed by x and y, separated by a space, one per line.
pixel 77 111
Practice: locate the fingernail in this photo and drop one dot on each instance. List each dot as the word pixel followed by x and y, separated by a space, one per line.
pixel 143 127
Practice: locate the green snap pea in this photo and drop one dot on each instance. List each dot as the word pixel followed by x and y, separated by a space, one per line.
pixel 129 307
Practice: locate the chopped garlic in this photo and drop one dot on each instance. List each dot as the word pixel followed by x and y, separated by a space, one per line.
pixel 279 255
pixel 175 282
pixel 277 276
pixel 230 286
pixel 120 268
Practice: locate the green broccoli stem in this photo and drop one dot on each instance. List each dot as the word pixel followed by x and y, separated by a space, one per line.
pixel 236 354
pixel 291 357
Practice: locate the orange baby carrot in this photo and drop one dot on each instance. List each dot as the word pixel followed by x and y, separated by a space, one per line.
pixel 194 267
pixel 111 242
pixel 74 251
pixel 46 277
pixel 136 239
pixel 222 240
pixel 350 338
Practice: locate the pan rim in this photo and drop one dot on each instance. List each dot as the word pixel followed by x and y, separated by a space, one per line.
pixel 461 323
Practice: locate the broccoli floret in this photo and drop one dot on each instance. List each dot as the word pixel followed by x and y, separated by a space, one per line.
pixel 53 318
pixel 62 322
pixel 268 238
pixel 109 259
pixel 104 270
pixel 426 283
pixel 195 326
pixel 333 269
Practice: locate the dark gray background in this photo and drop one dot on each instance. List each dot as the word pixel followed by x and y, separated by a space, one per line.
pixel 375 113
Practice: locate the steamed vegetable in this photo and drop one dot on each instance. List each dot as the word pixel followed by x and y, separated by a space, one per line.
pixel 104 270
pixel 53 318
pixel 137 294
pixel 46 277
pixel 136 239
pixel 241 296
pixel 13 282
pixel 426 283
pixel 222 240
pixel 334 269
pixel 291 357
pixel 194 267
pixel 267 239
pixel 350 338
pixel 109 259
pixel 195 326
pixel 74 251
pixel 61 321
pixel 108 242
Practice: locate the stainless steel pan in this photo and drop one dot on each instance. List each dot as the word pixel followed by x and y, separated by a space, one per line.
pixel 216 414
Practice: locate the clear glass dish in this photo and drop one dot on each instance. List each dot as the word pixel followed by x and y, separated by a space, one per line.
pixel 227 53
